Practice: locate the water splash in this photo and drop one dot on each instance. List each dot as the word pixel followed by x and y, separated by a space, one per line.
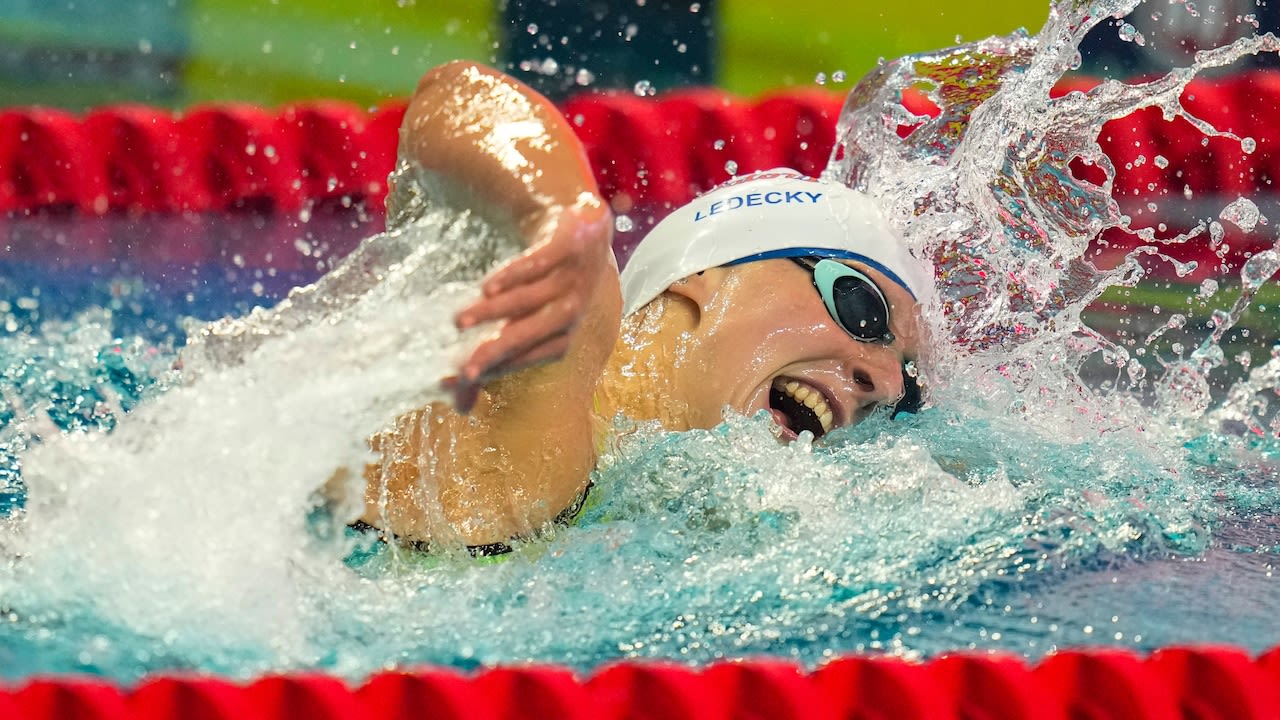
pixel 1006 189
pixel 200 499
pixel 1057 451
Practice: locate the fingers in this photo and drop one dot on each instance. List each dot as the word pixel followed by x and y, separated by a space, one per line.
pixel 467 392
pixel 529 266
pixel 517 302
pixel 538 297
pixel 519 337
pixel 464 394
pixel 575 235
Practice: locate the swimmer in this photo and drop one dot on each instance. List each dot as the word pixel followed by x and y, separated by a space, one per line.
pixel 774 292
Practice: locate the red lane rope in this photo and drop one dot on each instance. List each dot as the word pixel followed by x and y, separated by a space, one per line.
pixel 647 152
pixel 1172 683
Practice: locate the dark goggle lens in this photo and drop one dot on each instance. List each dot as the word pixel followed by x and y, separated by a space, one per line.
pixel 859 309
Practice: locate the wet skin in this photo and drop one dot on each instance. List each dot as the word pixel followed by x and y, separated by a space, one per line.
pixel 532 404
pixel 720 339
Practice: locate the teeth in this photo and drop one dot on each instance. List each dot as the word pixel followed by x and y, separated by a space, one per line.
pixel 810 397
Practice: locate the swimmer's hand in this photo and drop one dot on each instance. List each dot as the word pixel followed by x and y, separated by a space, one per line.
pixel 539 297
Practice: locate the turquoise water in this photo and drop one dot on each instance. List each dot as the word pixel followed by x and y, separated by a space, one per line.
pixel 944 530
pixel 1072 481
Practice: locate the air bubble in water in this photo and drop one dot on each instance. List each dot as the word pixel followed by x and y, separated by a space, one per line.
pixel 623 223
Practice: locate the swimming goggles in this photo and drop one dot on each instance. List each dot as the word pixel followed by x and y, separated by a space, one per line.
pixel 853 299
pixel 858 306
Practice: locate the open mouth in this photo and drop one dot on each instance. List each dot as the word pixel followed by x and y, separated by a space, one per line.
pixel 801 406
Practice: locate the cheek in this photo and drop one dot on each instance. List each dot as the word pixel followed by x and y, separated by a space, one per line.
pixel 770 336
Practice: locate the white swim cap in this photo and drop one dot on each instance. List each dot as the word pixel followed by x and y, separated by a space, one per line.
pixel 774 213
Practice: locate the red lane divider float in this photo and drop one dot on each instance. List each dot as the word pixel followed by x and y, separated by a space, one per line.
pixel 646 151
pixel 1199 683
pixel 649 155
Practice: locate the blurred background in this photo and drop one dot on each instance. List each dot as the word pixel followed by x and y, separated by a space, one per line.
pixel 76 54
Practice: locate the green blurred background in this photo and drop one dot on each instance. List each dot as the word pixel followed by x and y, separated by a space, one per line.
pixel 81 53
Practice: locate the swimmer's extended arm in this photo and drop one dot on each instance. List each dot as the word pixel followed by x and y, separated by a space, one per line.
pixel 524 452
pixel 512 149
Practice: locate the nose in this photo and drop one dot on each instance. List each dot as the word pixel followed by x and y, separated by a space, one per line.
pixel 878 377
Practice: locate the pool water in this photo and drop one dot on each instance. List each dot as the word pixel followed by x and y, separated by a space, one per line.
pixel 1088 470
pixel 916 536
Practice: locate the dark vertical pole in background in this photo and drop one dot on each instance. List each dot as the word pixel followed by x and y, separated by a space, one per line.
pixel 562 47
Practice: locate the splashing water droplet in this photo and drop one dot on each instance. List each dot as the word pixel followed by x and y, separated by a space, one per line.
pixel 1260 268
pixel 1160 161
pixel 1243 213
pixel 623 223
pixel 718 144
pixel 1129 33
pixel 838 76
pixel 1216 233
pixel 821 78
pixel 644 88
pixel 1208 288
pixel 731 167
pixel 1136 371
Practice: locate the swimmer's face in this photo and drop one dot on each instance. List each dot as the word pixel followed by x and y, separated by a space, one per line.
pixel 764 340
